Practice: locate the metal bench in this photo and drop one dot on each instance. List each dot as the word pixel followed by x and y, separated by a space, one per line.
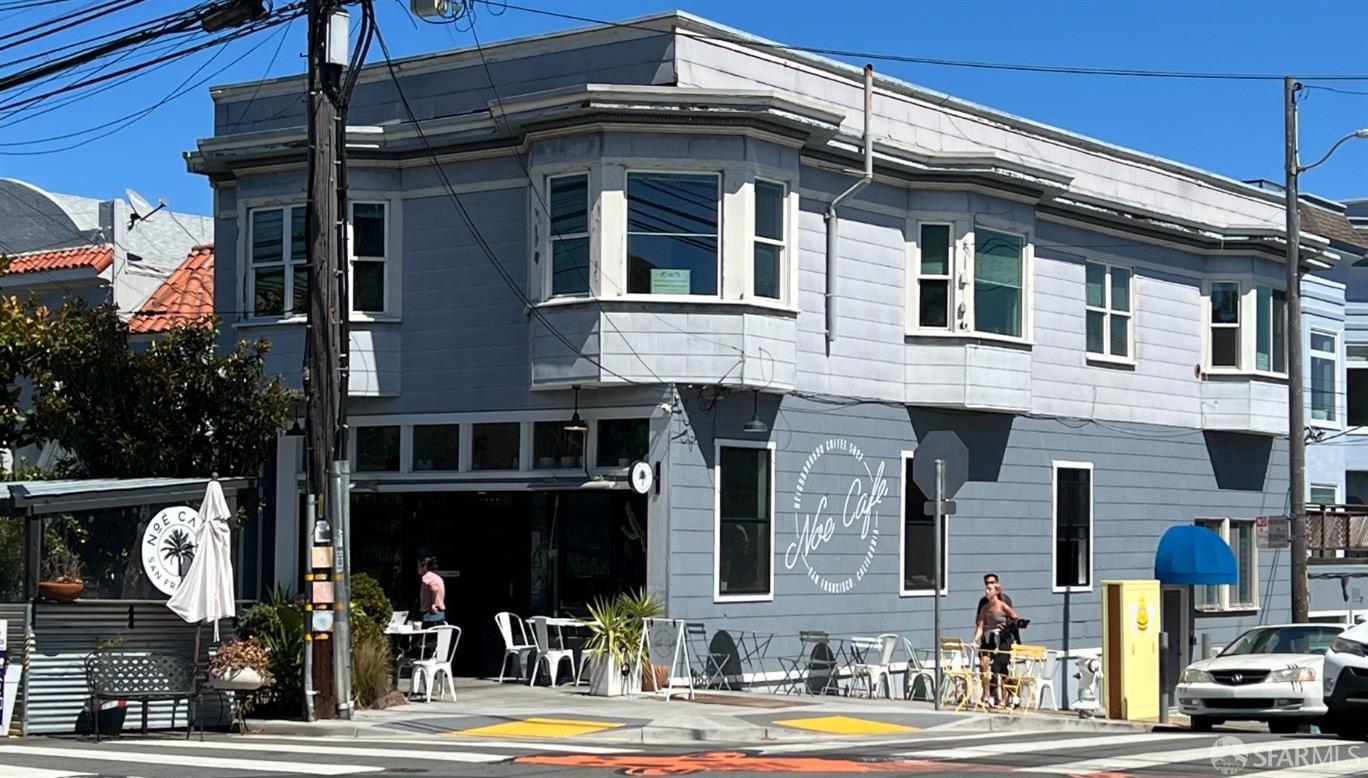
pixel 143 676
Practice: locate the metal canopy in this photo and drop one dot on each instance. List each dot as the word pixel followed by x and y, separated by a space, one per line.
pixel 37 498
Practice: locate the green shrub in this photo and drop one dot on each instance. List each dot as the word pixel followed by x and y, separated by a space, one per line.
pixel 370 599
pixel 280 622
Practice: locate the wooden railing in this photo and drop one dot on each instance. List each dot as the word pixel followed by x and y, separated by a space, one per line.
pixel 1335 532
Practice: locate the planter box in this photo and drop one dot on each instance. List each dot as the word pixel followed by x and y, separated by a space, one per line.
pixel 606 678
pixel 244 680
pixel 58 591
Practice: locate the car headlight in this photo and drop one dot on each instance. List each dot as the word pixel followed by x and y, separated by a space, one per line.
pixel 1347 646
pixel 1194 675
pixel 1287 674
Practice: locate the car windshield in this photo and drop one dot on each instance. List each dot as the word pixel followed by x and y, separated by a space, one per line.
pixel 1284 640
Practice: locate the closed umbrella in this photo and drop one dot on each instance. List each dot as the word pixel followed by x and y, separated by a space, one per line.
pixel 206 592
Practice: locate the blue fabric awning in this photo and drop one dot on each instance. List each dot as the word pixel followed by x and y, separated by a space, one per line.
pixel 1189 554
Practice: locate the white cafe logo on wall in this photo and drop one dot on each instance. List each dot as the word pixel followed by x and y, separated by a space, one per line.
pixel 856 528
pixel 168 545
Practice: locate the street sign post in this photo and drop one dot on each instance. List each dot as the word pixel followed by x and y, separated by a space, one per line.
pixel 940 467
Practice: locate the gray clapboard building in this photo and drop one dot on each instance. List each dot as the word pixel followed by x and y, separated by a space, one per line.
pixel 629 224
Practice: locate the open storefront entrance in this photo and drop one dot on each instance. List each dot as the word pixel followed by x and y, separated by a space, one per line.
pixel 529 552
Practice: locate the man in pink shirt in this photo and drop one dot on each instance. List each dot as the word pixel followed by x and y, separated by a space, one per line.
pixel 432 593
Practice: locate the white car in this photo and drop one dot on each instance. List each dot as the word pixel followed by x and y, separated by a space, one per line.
pixel 1270 674
pixel 1346 684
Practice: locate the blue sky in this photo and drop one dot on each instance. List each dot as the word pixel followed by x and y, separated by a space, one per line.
pixel 1231 127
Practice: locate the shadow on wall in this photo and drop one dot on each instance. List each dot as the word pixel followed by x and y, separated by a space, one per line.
pixel 985 435
pixel 1239 462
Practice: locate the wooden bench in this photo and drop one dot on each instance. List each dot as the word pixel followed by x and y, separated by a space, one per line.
pixel 143 676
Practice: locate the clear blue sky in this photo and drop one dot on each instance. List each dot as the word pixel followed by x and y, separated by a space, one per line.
pixel 1233 128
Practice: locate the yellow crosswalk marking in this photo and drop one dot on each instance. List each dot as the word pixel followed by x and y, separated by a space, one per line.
pixel 541 727
pixel 846 725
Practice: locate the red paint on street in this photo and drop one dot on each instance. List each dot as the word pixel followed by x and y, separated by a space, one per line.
pixel 735 762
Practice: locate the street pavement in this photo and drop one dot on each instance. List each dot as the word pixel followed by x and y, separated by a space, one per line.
pixel 934 752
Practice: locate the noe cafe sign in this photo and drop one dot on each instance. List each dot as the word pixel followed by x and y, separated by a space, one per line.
pixel 824 540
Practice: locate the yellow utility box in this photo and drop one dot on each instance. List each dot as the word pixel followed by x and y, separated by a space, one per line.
pixel 1130 649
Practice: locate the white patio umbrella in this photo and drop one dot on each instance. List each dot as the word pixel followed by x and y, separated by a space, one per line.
pixel 206 592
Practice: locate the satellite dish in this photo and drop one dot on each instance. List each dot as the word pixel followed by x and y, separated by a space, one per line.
pixel 141 208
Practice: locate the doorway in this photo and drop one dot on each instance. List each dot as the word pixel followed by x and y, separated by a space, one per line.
pixel 1177 625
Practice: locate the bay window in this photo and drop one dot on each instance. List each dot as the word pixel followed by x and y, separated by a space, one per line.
pixel 768 266
pixel 1324 369
pixel 569 236
pixel 1225 325
pixel 1270 349
pixel 369 252
pixel 1356 356
pixel 277 268
pixel 999 289
pixel 672 233
pixel 1108 293
pixel 935 268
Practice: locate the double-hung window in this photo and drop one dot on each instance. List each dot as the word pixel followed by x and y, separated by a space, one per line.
pixel 1356 364
pixel 369 255
pixel 1270 337
pixel 768 264
pixel 1243 595
pixel 934 269
pixel 569 237
pixel 278 270
pixel 999 283
pixel 1073 526
pixel 1225 325
pixel 1324 368
pixel 745 517
pixel 672 233
pixel 1109 310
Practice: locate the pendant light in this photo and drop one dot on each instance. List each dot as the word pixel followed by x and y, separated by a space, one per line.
pixel 755 425
pixel 576 424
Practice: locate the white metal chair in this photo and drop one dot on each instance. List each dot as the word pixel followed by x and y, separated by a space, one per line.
pixel 916 671
pixel 514 646
pixel 878 670
pixel 547 656
pixel 586 661
pixel 428 671
pixel 1046 679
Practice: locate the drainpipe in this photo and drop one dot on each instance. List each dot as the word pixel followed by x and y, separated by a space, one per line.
pixel 832 221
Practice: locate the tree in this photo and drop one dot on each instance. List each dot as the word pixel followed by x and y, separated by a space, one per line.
pixel 176 409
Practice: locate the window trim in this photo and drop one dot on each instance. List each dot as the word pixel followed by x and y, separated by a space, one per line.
pixel 1312 354
pixel 716 172
pixel 1208 310
pixel 718 445
pixel 1223 591
pixel 1055 466
pixel 549 242
pixel 904 458
pixel 385 261
pixel 785 231
pixel 1108 312
pixel 970 281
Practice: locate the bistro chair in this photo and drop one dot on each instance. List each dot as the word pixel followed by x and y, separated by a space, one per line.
pixel 708 665
pixel 550 657
pixel 514 645
pixel 960 682
pixel 916 671
pixel 1046 680
pixel 1023 680
pixel 815 659
pixel 429 670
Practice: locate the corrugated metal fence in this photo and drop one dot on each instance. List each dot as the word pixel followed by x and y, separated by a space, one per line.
pixel 15 616
pixel 67 633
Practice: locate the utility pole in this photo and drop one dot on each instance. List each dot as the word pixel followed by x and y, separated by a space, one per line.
pixel 328 307
pixel 1296 422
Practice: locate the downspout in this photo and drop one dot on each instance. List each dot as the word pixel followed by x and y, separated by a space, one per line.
pixel 832 221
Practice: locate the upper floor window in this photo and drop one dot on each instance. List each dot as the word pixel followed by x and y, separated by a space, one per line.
pixel 1248 328
pixel 672 236
pixel 1270 350
pixel 1356 364
pixel 1225 324
pixel 369 255
pixel 769 240
pixel 1324 370
pixel 999 283
pixel 569 237
pixel 277 268
pixel 934 289
pixel 1108 310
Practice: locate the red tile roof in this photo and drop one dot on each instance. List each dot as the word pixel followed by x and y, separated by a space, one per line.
pixel 185 297
pixel 98 257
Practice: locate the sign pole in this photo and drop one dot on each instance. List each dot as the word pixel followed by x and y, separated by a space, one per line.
pixel 936 581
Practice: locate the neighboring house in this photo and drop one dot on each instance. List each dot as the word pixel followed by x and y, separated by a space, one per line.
pixel 185 298
pixel 1104 329
pixel 65 246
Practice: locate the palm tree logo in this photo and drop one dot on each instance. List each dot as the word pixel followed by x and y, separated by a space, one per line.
pixel 178 549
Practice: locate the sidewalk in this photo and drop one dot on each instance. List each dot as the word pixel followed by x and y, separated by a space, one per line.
pixel 514 711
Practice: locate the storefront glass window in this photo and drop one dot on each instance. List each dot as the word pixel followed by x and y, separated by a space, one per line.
pixel 1073 527
pixel 919 546
pixel 623 441
pixel 436 447
pixel 744 524
pixel 495 446
pixel 553 446
pixel 377 449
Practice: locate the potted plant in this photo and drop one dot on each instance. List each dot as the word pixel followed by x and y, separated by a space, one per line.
pixel 241 664
pixel 615 631
pixel 61 579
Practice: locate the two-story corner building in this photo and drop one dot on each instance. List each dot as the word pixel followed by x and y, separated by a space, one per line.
pixel 629 226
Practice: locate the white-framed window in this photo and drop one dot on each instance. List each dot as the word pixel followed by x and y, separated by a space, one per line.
pixel 771 240
pixel 436 447
pixel 1270 335
pixel 277 262
pixel 1224 339
pixel 1072 562
pixel 935 293
pixel 1356 380
pixel 1324 494
pixel 673 237
pixel 1108 293
pixel 743 533
pixel 370 251
pixel 1324 368
pixel 1241 536
pixel 569 235
pixel 917 551
pixel 378 448
pixel 999 283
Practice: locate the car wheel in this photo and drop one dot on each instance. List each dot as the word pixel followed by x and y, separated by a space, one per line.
pixel 1201 723
pixel 1284 726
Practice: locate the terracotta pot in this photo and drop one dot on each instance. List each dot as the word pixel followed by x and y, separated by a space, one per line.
pixel 60 591
pixel 245 679
pixel 654 677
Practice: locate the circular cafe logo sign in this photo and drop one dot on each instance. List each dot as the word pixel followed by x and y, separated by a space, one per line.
pixel 815 525
pixel 168 545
